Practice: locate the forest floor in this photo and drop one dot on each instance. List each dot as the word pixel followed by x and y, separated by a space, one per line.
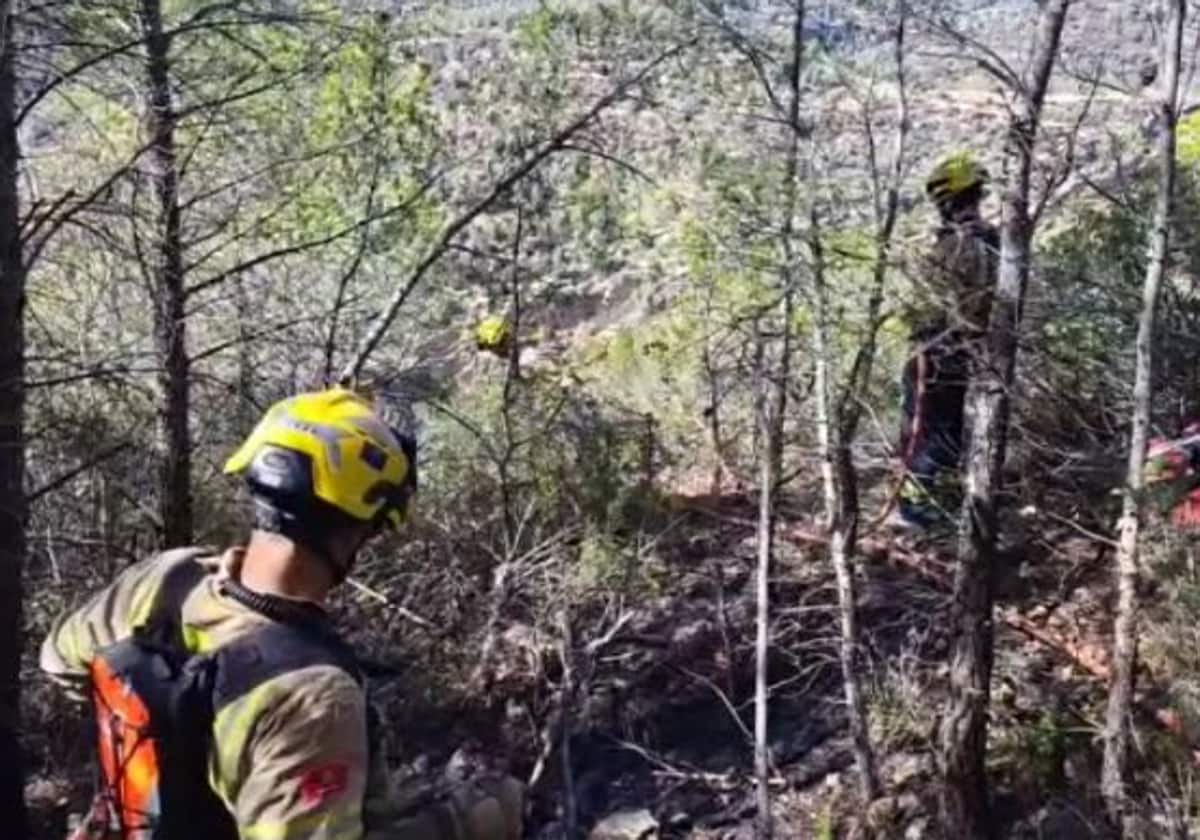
pixel 693 772
pixel 662 733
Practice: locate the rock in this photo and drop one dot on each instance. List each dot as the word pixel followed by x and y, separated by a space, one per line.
pixel 420 766
pixel 467 762
pixel 693 637
pixel 47 792
pixel 1062 823
pixel 626 825
pixel 551 831
pixel 679 820
pixel 918 829
pixel 882 817
pixel 903 768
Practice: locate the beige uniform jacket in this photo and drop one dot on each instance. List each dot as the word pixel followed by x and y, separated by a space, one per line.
pixel 960 272
pixel 290 757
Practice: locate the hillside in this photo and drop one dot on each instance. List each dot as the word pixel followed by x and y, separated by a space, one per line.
pixel 701 290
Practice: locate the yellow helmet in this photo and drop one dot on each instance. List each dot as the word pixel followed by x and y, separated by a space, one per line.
pixel 318 453
pixel 954 176
pixel 494 334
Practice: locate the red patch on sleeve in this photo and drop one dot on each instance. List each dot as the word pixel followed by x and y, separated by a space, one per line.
pixel 324 782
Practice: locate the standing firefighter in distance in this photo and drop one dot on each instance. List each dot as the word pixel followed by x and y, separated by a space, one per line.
pixel 953 300
pixel 226 704
pixel 1173 478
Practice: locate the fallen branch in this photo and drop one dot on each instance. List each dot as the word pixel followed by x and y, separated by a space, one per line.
pixel 403 612
pixel 1094 666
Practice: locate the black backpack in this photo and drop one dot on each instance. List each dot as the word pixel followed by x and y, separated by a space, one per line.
pixel 155 702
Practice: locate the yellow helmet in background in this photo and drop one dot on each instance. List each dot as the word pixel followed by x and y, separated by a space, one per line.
pixel 954 176
pixel 321 458
pixel 494 334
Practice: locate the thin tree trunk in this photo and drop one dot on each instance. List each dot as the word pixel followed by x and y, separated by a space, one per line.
pixel 170 335
pixel 768 476
pixel 246 412
pixel 12 444
pixel 772 410
pixel 843 544
pixel 1125 628
pixel 482 675
pixel 567 701
pixel 712 416
pixel 839 483
pixel 963 731
pixel 380 81
pixel 838 421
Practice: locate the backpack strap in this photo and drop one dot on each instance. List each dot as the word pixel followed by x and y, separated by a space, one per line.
pixel 271 651
pixel 289 642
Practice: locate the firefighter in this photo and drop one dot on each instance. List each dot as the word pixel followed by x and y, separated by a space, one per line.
pixel 1172 474
pixel 953 299
pixel 285 749
pixel 495 335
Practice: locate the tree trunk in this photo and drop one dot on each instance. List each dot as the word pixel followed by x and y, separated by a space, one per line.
pixel 773 374
pixel 712 416
pixel 963 730
pixel 1125 628
pixel 170 337
pixel 843 542
pixel 768 476
pixel 840 486
pixel 12 444
pixel 837 427
pixel 567 697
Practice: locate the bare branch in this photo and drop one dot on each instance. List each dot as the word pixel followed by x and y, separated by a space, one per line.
pixel 52 485
pixel 442 242
pixel 299 248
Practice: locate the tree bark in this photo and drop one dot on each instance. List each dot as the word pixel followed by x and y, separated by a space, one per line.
pixel 12 443
pixel 837 426
pixel 567 697
pixel 1125 626
pixel 762 641
pixel 964 802
pixel 840 486
pixel 170 330
pixel 773 374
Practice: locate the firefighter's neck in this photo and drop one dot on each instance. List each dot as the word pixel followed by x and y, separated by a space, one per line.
pixel 274 565
pixel 962 215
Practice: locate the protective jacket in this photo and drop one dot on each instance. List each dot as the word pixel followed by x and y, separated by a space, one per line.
pixel 288 754
pixel 1172 474
pixel 955 298
pixel 960 272
pixel 953 303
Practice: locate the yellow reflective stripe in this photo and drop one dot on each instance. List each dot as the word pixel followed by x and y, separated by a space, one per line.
pixel 69 647
pixel 214 781
pixel 197 640
pixel 143 602
pixel 341 824
pixel 231 730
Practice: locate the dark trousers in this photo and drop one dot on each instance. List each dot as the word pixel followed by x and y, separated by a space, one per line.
pixel 933 455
